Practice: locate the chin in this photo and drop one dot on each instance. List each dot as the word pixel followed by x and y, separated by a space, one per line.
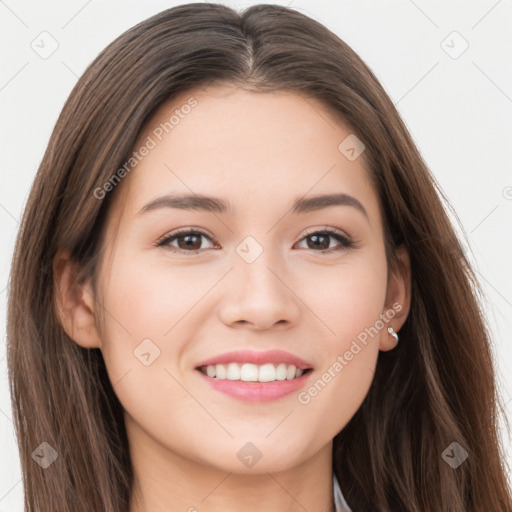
pixel 256 457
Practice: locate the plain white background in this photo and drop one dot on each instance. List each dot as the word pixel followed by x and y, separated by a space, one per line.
pixel 445 64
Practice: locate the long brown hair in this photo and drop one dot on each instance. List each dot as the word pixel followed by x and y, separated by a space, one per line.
pixel 437 387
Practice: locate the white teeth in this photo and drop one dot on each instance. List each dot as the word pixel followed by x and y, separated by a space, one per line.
pixel 267 373
pixel 281 372
pixel 249 372
pixel 291 372
pixel 253 373
pixel 220 371
pixel 233 372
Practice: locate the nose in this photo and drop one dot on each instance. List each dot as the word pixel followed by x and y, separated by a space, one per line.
pixel 259 295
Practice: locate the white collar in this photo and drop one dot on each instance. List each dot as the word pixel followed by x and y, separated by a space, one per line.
pixel 339 501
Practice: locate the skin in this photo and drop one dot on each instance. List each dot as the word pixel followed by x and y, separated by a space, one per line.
pixel 259 152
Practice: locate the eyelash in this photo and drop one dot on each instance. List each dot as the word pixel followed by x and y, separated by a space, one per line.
pixel 345 241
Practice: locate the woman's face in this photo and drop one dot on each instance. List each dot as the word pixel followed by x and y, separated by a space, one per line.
pixel 251 277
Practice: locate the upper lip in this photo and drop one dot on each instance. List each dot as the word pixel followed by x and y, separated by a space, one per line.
pixel 259 358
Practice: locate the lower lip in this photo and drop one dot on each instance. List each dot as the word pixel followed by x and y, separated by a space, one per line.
pixel 256 391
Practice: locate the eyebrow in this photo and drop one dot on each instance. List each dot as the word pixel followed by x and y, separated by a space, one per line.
pixel 217 205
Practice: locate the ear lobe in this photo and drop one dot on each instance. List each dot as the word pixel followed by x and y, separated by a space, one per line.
pixel 398 297
pixel 74 302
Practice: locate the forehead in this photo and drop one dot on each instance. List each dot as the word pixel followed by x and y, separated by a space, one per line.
pixel 256 150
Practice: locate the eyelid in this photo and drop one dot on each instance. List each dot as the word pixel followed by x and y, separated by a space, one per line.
pixel 184 231
pixel 326 229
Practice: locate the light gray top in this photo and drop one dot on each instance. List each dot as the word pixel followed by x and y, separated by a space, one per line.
pixel 339 501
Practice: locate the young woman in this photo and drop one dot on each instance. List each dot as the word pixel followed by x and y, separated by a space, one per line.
pixel 236 287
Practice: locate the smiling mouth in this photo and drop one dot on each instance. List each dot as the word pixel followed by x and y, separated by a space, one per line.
pixel 248 372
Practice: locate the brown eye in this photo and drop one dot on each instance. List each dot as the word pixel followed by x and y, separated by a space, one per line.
pixel 187 240
pixel 321 241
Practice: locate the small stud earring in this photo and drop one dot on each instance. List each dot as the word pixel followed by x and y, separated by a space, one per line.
pixel 393 333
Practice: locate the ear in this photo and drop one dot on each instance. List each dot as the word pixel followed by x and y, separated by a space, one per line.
pixel 75 302
pixel 398 298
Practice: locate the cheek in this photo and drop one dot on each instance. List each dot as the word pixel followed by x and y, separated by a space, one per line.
pixel 142 303
pixel 349 306
pixel 149 298
pixel 148 312
pixel 347 299
pixel 139 308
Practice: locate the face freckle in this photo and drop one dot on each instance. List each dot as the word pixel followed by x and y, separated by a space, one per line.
pixel 257 280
